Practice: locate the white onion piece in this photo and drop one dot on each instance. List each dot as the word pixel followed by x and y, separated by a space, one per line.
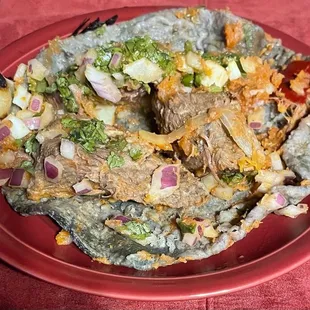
pixel 67 149
pixel 249 64
pixel 193 60
pixel 20 74
pixel 36 70
pixel 102 84
pixel 105 113
pixel 18 129
pixel 53 169
pixel 210 232
pixel 293 211
pixel 4 132
pixel 24 114
pixel 7 158
pixel 49 134
pixel 21 97
pixel 269 179
pixel 189 239
pixel 276 162
pixel 83 187
pixel 36 103
pixel 33 123
pixel 165 180
pixel 19 178
pixel 237 129
pixel 209 182
pixel 5 175
pixel 143 70
pixel 225 193
pixel 5 101
pixel 233 70
pixel 217 76
pixel 47 116
pixel 273 202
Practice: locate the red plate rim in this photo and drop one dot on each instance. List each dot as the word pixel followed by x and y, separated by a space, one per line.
pixel 45 267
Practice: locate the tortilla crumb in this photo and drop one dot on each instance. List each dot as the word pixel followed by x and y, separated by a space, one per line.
pixel 300 83
pixel 145 255
pixel 102 260
pixel 234 34
pixel 63 238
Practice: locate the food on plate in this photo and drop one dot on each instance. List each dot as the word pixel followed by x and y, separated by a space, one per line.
pixel 159 140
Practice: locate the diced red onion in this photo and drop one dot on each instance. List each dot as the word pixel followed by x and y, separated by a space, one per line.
pixel 200 230
pixel 122 218
pixel 255 125
pixel 5 175
pixel 115 60
pixel 36 103
pixel 169 177
pixel 83 187
pixel 53 169
pixel 90 57
pixel 4 132
pixel 165 180
pixel 67 149
pixel 189 239
pixel 33 123
pixel 280 199
pixel 103 84
pixel 19 178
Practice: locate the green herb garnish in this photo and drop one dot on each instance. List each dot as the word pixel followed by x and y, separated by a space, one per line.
pixel 100 31
pixel 37 86
pixel 186 228
pixel 31 145
pixel 63 82
pixel 88 133
pixel 132 50
pixel 28 166
pixel 188 46
pixel 188 80
pixel 135 154
pixel 138 230
pixel 222 59
pixel 117 145
pixel 115 160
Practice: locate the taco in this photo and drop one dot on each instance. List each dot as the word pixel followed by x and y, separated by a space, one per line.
pixel 159 140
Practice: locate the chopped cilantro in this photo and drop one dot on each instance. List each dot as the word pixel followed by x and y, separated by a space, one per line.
pixel 232 177
pixel 115 161
pixel 28 166
pixel 63 82
pixel 188 46
pixel 31 145
pixel 188 80
pixel 117 144
pixel 138 230
pixel 135 154
pixel 100 31
pixel 132 50
pixel 37 86
pixel 88 133
pixel 222 59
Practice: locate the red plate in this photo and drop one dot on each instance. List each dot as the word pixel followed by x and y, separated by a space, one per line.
pixel 277 246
